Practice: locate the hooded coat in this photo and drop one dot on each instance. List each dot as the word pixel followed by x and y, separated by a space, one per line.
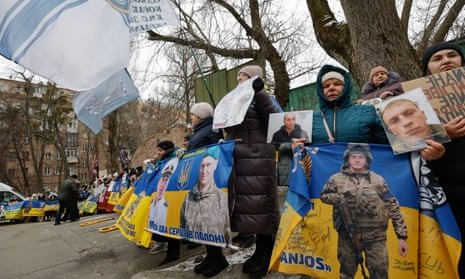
pixel 253 196
pixel 346 121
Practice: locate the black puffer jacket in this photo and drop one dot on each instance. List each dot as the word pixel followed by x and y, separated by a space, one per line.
pixel 204 134
pixel 253 193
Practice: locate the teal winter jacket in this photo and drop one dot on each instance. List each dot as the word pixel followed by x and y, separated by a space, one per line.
pixel 347 122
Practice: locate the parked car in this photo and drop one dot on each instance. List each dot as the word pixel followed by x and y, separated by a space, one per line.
pixel 8 194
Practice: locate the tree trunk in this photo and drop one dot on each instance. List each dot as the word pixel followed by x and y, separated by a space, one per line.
pixel 376 34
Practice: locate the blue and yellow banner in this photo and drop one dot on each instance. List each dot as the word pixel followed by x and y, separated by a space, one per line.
pixel 14 210
pixel 133 218
pixel 190 199
pixel 340 221
pixel 115 191
pixel 33 208
pixel 51 205
pixel 89 206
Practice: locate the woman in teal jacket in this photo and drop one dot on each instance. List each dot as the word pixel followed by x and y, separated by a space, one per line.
pixel 340 120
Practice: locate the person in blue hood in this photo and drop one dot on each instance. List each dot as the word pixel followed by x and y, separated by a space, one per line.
pixel 340 120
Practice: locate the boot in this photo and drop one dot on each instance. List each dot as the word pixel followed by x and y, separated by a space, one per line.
pixel 263 250
pixel 217 263
pixel 173 251
pixel 244 240
pixel 250 262
pixel 204 264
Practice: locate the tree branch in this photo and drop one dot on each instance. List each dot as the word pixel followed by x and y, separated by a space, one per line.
pixel 448 21
pixel 405 17
pixel 235 53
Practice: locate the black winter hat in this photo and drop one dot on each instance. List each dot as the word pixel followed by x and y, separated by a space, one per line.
pixel 433 49
pixel 165 145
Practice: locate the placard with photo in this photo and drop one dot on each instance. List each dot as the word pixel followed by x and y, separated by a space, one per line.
pixel 288 126
pixel 409 120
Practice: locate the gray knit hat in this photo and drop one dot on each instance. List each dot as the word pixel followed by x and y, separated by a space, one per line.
pixel 202 110
pixel 252 70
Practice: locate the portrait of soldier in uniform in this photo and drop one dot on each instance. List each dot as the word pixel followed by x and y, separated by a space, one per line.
pixel 407 125
pixel 362 207
pixel 159 207
pixel 205 207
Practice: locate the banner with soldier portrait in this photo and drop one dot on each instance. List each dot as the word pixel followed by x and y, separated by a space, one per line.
pixel 190 199
pixel 356 210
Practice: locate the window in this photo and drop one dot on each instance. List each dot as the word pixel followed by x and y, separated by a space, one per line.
pixel 70 152
pixel 84 163
pixel 47 171
pixel 85 147
pixel 48 155
pixel 11 172
pixel 57 171
pixel 83 176
pixel 71 141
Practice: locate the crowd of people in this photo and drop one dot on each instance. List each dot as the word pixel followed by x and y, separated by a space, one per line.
pixel 252 201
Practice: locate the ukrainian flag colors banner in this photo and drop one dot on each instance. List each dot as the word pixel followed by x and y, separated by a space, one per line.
pixel 123 200
pixel 190 198
pixel 14 210
pixel 133 219
pixel 33 208
pixel 89 206
pixel 115 192
pixel 342 221
pixel 51 205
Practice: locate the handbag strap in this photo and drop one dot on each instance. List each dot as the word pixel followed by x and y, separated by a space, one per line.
pixel 331 138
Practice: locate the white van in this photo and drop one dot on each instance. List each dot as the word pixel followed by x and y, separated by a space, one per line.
pixel 7 194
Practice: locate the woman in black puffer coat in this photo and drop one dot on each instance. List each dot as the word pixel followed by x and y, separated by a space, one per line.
pixel 253 195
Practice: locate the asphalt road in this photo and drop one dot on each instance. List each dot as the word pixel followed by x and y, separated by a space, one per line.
pixel 42 250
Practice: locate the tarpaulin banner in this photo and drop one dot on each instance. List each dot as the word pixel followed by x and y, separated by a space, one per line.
pixel 190 199
pixel 33 208
pixel 123 200
pixel 133 219
pixel 363 219
pixel 51 205
pixel 89 206
pixel 115 191
pixel 13 210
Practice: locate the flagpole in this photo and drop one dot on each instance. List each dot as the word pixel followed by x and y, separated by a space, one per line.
pixel 205 82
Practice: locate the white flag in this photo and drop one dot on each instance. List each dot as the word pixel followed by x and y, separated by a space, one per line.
pixel 75 43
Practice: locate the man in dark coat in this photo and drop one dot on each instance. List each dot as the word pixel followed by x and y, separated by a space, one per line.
pixel 290 130
pixel 68 193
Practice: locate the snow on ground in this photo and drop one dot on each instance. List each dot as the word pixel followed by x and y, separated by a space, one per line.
pixel 233 257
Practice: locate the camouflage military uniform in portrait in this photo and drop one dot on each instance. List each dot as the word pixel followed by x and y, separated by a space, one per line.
pixel 363 206
pixel 205 209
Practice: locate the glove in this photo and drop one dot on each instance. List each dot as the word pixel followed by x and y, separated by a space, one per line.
pixel 258 85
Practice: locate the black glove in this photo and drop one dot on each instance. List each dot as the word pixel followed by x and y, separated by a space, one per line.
pixel 258 85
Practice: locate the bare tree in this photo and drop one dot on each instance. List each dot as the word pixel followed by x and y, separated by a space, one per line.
pixel 374 33
pixel 31 116
pixel 245 30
